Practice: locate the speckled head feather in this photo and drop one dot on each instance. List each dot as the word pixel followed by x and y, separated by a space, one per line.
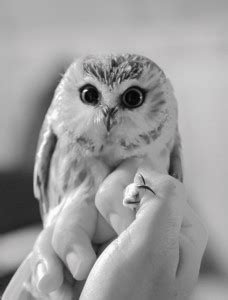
pixel 114 69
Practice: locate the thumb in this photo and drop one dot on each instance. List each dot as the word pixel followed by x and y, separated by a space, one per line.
pixel 160 214
pixel 109 198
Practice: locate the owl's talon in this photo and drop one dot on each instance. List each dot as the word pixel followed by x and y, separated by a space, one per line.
pixel 146 187
pixel 132 193
pixel 142 178
pixel 131 196
pixel 144 184
pixel 131 202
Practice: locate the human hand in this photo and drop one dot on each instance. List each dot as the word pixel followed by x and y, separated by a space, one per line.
pixel 64 248
pixel 146 257
pixel 158 255
pixel 48 273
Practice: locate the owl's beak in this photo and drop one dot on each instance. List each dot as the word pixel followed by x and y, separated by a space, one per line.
pixel 109 114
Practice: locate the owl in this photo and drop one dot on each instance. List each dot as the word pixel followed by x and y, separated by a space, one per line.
pixel 106 109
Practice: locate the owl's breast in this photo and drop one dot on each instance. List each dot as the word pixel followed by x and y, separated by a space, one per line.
pixel 115 151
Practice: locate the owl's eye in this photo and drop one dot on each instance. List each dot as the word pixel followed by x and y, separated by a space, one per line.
pixel 133 97
pixel 89 94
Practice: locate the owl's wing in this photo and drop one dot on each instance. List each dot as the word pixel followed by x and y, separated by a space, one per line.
pixel 46 147
pixel 175 167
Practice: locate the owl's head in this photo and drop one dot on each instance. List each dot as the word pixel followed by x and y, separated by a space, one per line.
pixel 115 95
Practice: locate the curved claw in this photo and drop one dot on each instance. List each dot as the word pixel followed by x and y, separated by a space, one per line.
pixel 142 178
pixel 146 187
pixel 131 202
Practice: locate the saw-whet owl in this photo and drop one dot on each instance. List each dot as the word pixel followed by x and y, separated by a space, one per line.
pixel 106 108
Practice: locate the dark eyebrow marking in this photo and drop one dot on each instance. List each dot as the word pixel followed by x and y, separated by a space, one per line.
pixel 112 70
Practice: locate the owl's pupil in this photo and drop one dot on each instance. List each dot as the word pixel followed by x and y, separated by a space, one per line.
pixel 89 94
pixel 133 98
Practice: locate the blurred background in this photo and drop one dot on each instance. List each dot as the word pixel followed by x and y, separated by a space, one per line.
pixel 188 39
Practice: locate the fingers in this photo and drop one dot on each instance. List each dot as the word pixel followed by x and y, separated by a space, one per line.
pixel 170 207
pixel 157 221
pixel 110 195
pixel 73 232
pixel 65 292
pixel 46 267
pixel 68 240
pixel 188 268
pixel 15 289
pixel 165 229
pixel 167 195
pixel 109 198
pixel 194 230
pixel 193 241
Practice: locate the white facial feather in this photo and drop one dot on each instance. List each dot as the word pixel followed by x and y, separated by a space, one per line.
pixel 145 130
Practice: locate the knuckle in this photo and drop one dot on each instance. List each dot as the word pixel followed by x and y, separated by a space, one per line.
pixel 43 240
pixel 59 241
pixel 63 238
pixel 35 259
pixel 167 185
pixel 100 202
pixel 173 186
pixel 170 181
pixel 100 195
pixel 204 234
pixel 103 200
pixel 55 242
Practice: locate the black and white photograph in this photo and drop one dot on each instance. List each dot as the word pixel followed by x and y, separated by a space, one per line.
pixel 114 150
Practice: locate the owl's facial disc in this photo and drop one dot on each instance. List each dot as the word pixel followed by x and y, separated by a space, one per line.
pixel 109 114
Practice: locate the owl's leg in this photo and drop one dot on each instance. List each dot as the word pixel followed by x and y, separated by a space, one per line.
pixel 132 192
pixel 175 167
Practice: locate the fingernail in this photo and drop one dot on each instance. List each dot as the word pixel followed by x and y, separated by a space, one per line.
pixel 41 273
pixel 80 262
pixel 73 263
pixel 139 179
pixel 46 281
